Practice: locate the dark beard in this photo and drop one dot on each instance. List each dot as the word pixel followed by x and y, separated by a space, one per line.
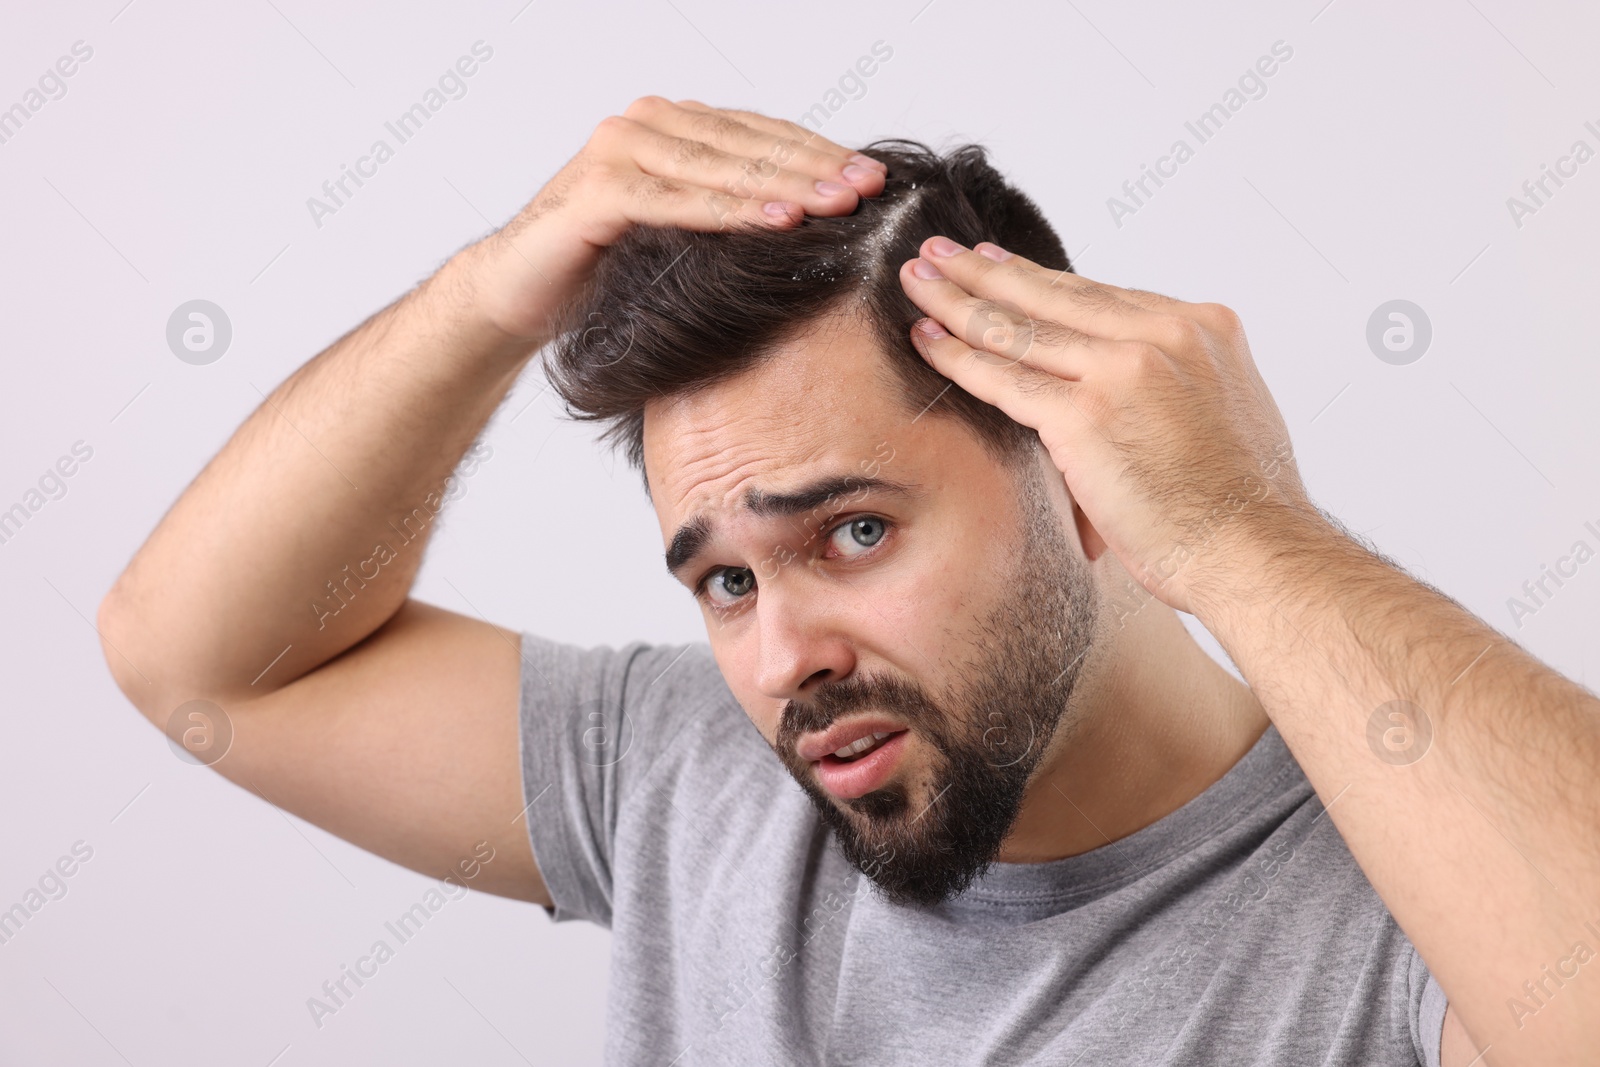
pixel 990 736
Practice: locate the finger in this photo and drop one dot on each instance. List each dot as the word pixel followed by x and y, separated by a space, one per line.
pixel 763 150
pixel 1000 329
pixel 1030 396
pixel 651 200
pixel 790 131
pixel 1144 298
pixel 1032 291
pixel 739 177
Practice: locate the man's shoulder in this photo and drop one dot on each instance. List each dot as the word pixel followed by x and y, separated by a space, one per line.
pixel 638 764
pixel 633 675
pixel 641 709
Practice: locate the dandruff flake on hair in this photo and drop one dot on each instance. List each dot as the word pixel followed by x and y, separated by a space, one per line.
pixel 888 227
pixel 870 247
pixel 826 271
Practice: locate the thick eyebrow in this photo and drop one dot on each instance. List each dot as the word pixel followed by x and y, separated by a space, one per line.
pixel 693 537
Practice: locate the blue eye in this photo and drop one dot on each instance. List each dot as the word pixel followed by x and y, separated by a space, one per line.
pixel 735 580
pixel 864 532
pixel 851 539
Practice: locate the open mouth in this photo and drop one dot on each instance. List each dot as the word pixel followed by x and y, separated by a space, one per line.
pixel 867 764
pixel 856 749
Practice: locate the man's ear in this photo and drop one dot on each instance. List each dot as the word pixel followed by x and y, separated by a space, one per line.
pixel 1094 545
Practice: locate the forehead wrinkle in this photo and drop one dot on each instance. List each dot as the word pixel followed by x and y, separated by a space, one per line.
pixel 694 534
pixel 802 406
pixel 739 446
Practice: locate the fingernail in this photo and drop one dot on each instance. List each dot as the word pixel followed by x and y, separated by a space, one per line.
pixel 830 188
pixel 868 161
pixel 943 246
pixel 776 208
pixel 923 269
pixel 993 251
pixel 932 328
pixel 856 174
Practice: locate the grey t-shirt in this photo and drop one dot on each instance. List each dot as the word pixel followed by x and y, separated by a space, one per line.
pixel 1236 930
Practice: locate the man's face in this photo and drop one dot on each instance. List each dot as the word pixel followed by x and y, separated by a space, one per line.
pixel 931 615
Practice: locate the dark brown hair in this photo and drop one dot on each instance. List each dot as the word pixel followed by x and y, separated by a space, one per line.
pixel 670 310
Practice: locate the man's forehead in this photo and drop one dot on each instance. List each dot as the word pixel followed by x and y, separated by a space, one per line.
pixel 813 404
pixel 825 492
pixel 740 463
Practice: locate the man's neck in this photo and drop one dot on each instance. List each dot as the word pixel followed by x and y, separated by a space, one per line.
pixel 1154 721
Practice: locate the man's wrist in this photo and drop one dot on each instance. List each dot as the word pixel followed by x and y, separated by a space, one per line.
pixel 453 298
pixel 1290 553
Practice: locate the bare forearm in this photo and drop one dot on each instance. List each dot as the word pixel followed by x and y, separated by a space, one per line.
pixel 1473 807
pixel 305 510
pixel 306 530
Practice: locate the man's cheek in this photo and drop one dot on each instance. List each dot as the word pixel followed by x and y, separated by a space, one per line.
pixel 917 623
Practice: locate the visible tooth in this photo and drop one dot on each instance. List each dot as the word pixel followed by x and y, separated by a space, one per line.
pixel 855 747
pixel 880 737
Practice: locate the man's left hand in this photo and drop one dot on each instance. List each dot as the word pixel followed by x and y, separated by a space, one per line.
pixel 1151 407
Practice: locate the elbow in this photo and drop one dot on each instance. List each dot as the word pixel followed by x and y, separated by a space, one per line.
pixel 114 623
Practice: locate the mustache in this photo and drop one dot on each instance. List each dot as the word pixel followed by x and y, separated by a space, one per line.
pixel 893 696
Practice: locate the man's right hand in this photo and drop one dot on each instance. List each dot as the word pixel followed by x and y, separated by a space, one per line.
pixel 663 164
pixel 277 587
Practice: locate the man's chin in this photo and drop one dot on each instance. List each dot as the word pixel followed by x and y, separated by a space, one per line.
pixel 879 835
pixel 921 879
pixel 881 806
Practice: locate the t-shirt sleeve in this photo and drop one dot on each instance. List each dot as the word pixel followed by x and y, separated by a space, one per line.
pixel 592 721
pixel 1427 1006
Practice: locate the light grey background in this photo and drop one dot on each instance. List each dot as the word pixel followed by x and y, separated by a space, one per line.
pixel 1377 166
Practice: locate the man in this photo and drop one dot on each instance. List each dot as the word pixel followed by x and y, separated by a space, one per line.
pixel 1016 814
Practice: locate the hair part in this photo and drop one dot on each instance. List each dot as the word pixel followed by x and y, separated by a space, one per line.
pixel 670 311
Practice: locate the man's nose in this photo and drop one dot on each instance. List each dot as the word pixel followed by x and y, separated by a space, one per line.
pixel 802 645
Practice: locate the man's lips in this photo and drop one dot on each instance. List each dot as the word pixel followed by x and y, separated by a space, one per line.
pixel 869 769
pixel 812 747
